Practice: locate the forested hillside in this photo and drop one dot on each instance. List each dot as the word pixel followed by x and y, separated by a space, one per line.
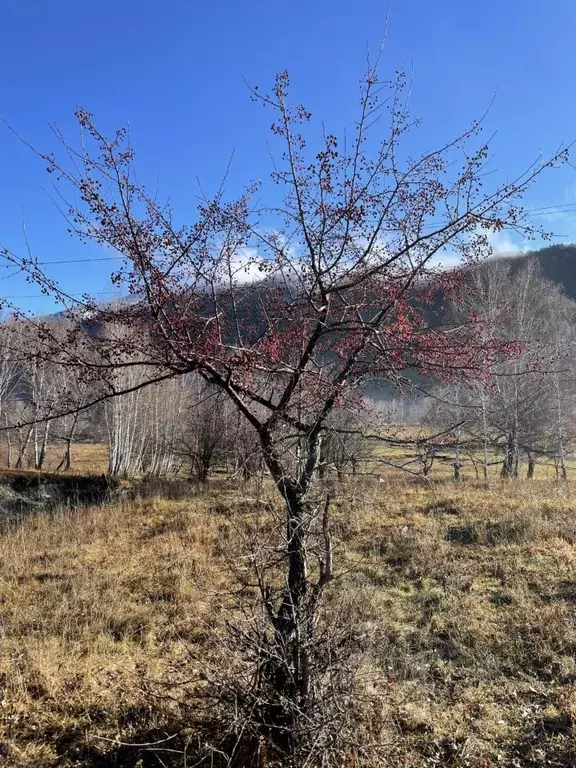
pixel 557 262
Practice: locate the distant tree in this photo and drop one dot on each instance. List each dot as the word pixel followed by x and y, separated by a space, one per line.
pixel 11 379
pixel 244 449
pixel 344 447
pixel 205 440
pixel 523 412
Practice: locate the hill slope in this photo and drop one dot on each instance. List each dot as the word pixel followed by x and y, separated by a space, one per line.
pixel 558 263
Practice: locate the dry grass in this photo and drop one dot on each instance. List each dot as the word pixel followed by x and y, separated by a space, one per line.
pixel 471 595
pixel 464 599
pixel 387 458
pixel 92 604
pixel 92 459
pixel 87 458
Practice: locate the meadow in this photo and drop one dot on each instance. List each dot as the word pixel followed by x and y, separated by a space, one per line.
pixel 461 599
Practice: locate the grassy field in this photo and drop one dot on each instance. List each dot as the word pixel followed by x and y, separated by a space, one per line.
pixel 87 458
pixel 92 459
pixel 463 599
pixel 387 457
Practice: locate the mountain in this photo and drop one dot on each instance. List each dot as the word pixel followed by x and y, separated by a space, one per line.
pixel 558 264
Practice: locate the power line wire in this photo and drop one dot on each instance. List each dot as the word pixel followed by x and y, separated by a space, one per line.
pixel 68 261
pixel 44 295
pixel 536 211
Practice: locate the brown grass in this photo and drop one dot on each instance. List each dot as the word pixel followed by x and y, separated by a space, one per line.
pixel 92 604
pixel 463 597
pixel 87 458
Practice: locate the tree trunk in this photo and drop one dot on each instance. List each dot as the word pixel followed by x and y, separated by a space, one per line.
pixel 293 663
pixel 510 463
pixel 36 447
pixel 289 615
pixel 66 461
pixel 531 468
pixel 8 449
pixel 68 457
pixel 323 458
pixel 290 669
pixel 457 459
pixel 23 447
pixel 40 450
pixel 561 456
pixel 457 475
pixel 560 428
pixel 484 438
pixel 202 463
pixel 511 457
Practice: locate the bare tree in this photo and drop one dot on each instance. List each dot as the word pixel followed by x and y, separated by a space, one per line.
pixel 39 404
pixel 349 261
pixel 244 449
pixel 344 447
pixel 70 388
pixel 146 424
pixel 11 378
pixel 205 441
pixel 522 412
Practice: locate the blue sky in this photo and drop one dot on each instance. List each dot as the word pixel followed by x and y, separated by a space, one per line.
pixel 174 70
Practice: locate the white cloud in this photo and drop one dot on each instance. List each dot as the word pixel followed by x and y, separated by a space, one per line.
pixel 504 244
pixel 245 266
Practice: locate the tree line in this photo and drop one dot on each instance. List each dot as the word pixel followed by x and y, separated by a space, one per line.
pixel 526 413
pixel 523 415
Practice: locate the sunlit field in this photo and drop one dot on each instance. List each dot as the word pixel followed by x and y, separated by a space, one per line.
pixel 386 460
pixel 461 598
pixel 88 458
